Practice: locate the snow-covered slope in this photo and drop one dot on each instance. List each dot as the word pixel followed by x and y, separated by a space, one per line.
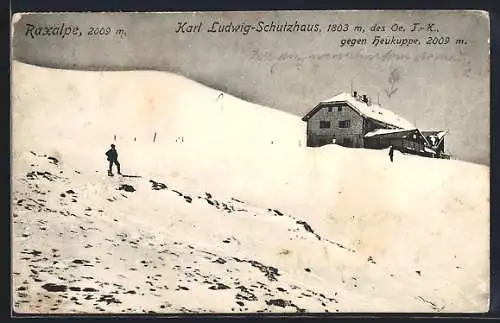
pixel 248 218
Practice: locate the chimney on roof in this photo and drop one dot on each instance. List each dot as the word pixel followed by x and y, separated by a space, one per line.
pixel 364 98
pixel 355 94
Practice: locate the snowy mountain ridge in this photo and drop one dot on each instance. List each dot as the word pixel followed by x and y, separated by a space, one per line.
pixel 226 210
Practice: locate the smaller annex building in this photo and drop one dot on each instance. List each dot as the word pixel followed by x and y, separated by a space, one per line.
pixel 353 121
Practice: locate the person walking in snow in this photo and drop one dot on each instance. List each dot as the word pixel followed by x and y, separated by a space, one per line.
pixel 112 155
pixel 391 153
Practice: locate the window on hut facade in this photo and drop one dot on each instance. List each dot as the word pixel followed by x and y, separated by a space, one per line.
pixel 329 109
pixel 339 109
pixel 324 124
pixel 345 124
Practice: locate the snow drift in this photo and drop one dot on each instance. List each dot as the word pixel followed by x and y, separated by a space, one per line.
pixel 229 210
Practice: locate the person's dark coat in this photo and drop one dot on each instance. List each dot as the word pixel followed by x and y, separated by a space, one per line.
pixel 112 154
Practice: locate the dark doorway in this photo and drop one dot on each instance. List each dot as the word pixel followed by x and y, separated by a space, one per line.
pixel 347 142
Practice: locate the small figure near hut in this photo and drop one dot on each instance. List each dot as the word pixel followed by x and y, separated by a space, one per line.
pixel 112 155
pixel 391 153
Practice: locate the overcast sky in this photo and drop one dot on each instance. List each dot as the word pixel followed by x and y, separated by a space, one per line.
pixel 436 86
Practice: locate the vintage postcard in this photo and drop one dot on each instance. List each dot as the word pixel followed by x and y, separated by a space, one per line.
pixel 250 162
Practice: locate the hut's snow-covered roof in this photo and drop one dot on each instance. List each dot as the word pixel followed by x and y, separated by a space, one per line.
pixel 372 111
pixel 378 132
